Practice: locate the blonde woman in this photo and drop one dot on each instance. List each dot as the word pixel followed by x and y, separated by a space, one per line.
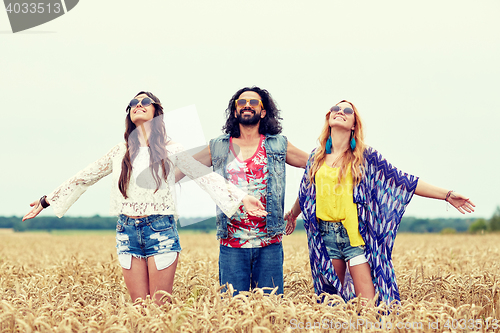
pixel 353 200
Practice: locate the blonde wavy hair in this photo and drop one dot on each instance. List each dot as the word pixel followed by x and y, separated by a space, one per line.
pixel 355 157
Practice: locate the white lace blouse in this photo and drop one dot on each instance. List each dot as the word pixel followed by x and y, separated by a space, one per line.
pixel 142 199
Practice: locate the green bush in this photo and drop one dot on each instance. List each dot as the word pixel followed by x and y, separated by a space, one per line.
pixel 448 231
pixel 479 225
pixel 495 220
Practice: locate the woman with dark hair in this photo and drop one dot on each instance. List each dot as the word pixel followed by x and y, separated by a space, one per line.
pixel 352 201
pixel 143 196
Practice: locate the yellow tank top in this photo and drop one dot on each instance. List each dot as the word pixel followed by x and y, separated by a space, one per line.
pixel 334 203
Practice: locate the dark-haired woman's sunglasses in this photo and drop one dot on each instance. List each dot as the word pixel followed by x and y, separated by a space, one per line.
pixel 336 108
pixel 253 102
pixel 144 102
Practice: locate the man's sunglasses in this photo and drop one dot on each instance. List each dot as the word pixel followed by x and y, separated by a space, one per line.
pixel 144 102
pixel 253 102
pixel 336 108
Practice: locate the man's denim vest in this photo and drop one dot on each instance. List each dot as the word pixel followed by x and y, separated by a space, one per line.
pixel 276 147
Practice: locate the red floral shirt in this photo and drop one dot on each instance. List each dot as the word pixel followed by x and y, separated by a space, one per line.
pixel 245 231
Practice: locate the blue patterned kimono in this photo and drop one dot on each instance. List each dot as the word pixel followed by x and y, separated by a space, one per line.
pixel 381 198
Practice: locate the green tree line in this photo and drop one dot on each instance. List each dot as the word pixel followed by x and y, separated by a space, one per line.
pixel 482 225
pixel 408 224
pixel 88 223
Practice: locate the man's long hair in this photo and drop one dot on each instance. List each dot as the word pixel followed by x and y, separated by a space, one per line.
pixel 157 147
pixel 270 124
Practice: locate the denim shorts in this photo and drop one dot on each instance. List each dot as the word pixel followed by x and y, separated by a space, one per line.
pixel 337 241
pixel 145 237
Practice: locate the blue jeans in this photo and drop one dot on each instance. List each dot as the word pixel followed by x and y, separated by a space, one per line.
pixel 252 268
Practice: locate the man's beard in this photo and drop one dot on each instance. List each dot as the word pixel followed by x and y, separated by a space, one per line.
pixel 252 120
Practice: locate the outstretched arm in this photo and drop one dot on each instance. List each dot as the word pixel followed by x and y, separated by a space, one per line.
pixel 204 157
pixel 296 157
pixel 225 194
pixel 68 192
pixel 457 200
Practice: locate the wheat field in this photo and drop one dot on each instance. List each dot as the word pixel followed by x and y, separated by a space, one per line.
pixel 73 283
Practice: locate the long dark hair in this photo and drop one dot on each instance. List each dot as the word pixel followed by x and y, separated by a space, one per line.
pixel 270 124
pixel 157 147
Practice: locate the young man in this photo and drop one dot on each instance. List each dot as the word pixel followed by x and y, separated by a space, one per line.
pixel 252 155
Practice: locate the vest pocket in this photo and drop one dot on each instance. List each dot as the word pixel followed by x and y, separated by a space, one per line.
pixel 278 161
pixel 217 163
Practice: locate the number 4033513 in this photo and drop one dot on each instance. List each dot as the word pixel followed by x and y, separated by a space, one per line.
pixel 33 8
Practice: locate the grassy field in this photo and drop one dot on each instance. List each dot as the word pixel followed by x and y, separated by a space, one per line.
pixel 72 282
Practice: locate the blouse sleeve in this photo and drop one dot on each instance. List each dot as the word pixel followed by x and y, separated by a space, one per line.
pixel 68 192
pixel 392 188
pixel 225 195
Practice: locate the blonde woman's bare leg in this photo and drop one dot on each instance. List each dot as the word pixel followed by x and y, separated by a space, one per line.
pixel 339 265
pixel 362 278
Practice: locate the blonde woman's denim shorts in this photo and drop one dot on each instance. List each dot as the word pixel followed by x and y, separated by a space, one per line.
pixel 337 241
pixel 145 237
